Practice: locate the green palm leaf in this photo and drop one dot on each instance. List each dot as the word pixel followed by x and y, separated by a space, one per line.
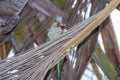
pixel 103 62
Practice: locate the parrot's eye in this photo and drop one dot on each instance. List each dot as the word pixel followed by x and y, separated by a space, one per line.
pixel 55 20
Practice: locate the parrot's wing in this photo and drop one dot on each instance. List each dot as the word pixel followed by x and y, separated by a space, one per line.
pixel 54 33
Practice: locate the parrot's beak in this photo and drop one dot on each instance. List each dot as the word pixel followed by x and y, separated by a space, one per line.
pixel 61 25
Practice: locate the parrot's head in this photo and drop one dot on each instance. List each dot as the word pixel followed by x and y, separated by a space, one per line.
pixel 59 22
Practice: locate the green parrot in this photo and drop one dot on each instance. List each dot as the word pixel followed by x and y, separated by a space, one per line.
pixel 56 29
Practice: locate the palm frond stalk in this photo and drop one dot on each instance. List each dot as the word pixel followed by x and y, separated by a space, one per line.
pixel 96 69
pixel 34 64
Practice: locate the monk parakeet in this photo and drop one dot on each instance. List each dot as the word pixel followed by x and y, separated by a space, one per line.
pixel 56 29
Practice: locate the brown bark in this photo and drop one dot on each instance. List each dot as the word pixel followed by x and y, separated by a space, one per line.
pixel 11 7
pixel 4 51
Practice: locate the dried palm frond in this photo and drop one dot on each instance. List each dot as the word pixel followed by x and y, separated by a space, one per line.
pixel 35 63
pixel 110 42
pixel 44 53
